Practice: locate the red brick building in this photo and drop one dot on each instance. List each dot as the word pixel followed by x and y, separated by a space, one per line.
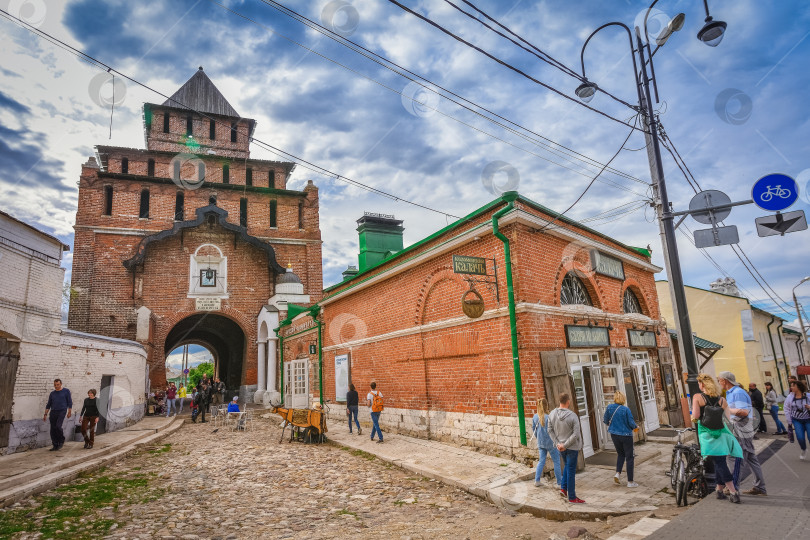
pixel 191 240
pixel 587 323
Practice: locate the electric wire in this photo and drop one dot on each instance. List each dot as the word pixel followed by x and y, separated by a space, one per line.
pixel 508 65
pixel 275 150
pixel 557 148
pixel 542 55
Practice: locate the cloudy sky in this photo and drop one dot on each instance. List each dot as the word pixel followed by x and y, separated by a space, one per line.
pixel 735 112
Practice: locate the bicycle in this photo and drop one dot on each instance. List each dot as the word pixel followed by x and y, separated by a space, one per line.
pixel 686 471
pixel 777 191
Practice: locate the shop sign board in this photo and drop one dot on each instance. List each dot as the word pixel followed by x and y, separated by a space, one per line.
pixel 341 376
pixel 586 336
pixel 463 264
pixel 641 338
pixel 607 265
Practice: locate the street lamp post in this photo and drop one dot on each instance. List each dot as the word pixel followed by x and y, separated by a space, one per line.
pixel 799 312
pixel 711 34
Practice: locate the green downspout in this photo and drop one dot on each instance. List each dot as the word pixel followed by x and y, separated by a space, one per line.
pixel 782 347
pixel 510 197
pixel 314 313
pixel 280 359
pixel 775 361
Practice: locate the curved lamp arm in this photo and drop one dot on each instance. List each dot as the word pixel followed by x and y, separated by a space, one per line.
pixel 632 54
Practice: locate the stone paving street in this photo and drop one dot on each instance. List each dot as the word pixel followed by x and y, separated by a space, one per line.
pixel 199 484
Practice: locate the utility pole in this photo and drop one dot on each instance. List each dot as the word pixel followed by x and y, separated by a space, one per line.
pixel 686 342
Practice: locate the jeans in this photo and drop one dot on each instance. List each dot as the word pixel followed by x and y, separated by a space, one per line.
pixel 171 404
pixel 353 414
pixel 802 429
pixel 555 459
pixel 753 461
pixel 569 458
pixel 624 449
pixel 375 419
pixel 721 472
pixel 57 433
pixel 780 427
pixel 180 404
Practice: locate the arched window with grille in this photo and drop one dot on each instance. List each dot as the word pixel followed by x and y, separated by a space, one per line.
pixel 573 291
pixel 630 302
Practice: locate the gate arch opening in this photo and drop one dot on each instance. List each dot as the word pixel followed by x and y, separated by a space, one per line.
pixel 222 336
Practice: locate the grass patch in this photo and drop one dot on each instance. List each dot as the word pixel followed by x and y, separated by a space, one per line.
pixel 346 512
pixel 503 465
pixel 162 449
pixel 400 503
pixel 69 511
pixel 363 454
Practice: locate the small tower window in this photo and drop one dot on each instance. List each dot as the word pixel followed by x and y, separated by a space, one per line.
pixel 166 122
pixel 249 177
pixel 200 171
pixel 233 132
pixel 189 125
pixel 144 210
pixel 150 167
pixel 243 214
pixel 179 201
pixel 212 130
pixel 212 199
pixel 271 179
pixel 300 215
pixel 273 214
pixel 176 170
pixel 125 165
pixel 108 196
pixel 226 174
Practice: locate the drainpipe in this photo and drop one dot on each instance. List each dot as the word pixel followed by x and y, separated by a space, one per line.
pixel 776 363
pixel 782 347
pixel 315 313
pixel 510 197
pixel 280 360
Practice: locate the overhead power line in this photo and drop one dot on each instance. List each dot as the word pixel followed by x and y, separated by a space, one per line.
pixel 550 145
pixel 508 65
pixel 278 151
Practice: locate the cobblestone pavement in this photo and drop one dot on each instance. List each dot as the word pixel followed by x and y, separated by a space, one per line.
pixel 205 484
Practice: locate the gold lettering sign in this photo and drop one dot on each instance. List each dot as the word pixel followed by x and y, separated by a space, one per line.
pixel 469 265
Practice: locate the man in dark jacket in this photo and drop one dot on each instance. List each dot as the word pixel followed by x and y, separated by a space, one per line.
pixel 60 404
pixel 204 400
pixel 758 403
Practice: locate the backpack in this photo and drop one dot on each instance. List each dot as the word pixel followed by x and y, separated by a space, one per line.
pixel 376 402
pixel 712 417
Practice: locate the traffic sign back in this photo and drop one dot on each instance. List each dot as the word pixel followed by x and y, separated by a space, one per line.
pixel 775 192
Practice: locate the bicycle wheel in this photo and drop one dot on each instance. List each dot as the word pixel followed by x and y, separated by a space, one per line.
pixel 680 484
pixel 673 467
pixel 694 489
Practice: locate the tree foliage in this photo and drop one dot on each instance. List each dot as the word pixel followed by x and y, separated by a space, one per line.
pixel 195 374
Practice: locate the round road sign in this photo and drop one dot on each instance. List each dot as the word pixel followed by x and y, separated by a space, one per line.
pixel 705 199
pixel 775 192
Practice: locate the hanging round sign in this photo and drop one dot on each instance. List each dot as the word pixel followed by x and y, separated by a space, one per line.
pixel 472 307
pixel 775 192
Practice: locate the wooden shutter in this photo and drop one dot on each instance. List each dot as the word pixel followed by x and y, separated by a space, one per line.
pixel 621 357
pixel 556 378
pixel 9 359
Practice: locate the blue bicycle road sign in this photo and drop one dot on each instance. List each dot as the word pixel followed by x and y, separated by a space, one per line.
pixel 775 192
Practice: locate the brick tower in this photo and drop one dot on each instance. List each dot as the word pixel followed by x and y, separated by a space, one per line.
pixel 187 241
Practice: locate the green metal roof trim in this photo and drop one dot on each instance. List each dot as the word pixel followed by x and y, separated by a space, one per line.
pixel 701 343
pixel 644 251
pixel 787 330
pixel 294 310
pixel 472 215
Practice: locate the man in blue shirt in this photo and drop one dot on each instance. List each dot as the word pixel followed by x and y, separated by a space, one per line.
pixel 60 404
pixel 744 427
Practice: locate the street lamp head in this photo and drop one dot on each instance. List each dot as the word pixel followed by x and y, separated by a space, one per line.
pixel 586 91
pixel 675 24
pixel 712 32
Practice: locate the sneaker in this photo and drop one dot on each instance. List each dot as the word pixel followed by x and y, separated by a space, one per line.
pixel 538 483
pixel 563 493
pixel 576 501
pixel 721 495
pixel 359 430
pixel 380 441
pixel 616 478
pixel 803 455
pixel 632 484
pixel 755 491
pixel 735 497
pixel 54 448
